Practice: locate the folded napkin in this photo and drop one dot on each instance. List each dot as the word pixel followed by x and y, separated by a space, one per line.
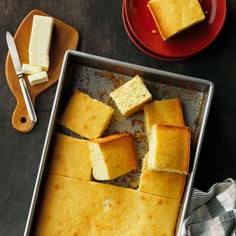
pixel 214 212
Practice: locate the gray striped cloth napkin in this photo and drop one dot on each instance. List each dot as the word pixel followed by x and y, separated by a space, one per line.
pixel 212 213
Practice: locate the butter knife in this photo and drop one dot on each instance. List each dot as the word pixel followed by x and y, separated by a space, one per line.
pixel 17 65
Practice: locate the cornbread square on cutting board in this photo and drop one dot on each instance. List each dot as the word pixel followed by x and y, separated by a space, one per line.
pixel 86 116
pixel 70 157
pixel 163 112
pixel 131 96
pixel 174 16
pixel 77 207
pixel 162 183
pixel 169 148
pixel 113 156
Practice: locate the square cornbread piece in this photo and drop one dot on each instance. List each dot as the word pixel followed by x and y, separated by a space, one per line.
pixel 86 116
pixel 70 157
pixel 172 16
pixel 162 183
pixel 163 112
pixel 169 148
pixel 77 207
pixel 113 156
pixel 131 96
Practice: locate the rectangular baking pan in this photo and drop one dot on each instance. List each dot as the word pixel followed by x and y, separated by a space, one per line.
pixel 98 76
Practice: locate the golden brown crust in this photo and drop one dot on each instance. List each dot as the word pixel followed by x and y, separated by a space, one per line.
pixel 162 183
pixel 169 148
pixel 70 157
pixel 113 156
pixel 163 112
pixel 154 14
pixel 172 17
pixel 86 116
pixel 110 138
pixel 77 207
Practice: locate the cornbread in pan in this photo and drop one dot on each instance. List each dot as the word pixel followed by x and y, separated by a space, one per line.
pixel 70 157
pixel 163 112
pixel 78 207
pixel 162 183
pixel 113 156
pixel 131 96
pixel 86 116
pixel 169 148
pixel 172 16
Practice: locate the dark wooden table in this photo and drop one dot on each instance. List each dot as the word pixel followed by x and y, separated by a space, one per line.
pixel 102 33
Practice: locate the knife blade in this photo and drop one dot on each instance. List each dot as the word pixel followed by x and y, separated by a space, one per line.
pixel 17 65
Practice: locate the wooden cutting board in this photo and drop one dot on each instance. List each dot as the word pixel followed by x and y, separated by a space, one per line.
pixel 64 38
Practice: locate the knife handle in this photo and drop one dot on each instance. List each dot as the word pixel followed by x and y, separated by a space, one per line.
pixel 28 102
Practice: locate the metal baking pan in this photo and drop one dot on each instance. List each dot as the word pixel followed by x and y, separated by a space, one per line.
pixel 97 76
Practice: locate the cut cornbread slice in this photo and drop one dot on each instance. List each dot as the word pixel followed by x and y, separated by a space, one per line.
pixel 172 17
pixel 86 116
pixel 169 148
pixel 162 183
pixel 163 112
pixel 70 157
pixel 78 207
pixel 131 96
pixel 113 156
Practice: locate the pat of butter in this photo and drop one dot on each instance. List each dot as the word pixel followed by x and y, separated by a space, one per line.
pixel 38 78
pixel 39 60
pixel 40 38
pixel 29 69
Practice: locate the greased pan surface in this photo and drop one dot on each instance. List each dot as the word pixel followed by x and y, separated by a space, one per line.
pixel 98 76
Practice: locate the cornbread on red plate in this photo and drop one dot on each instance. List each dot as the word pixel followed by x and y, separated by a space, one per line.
pixel 174 16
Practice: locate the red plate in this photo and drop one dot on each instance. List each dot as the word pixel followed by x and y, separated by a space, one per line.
pixel 188 42
pixel 143 49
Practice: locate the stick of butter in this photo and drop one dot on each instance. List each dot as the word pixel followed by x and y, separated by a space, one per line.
pixel 40 41
pixel 38 78
pixel 40 38
pixel 29 69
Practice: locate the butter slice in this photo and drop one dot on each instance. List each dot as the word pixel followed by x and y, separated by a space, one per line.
pixel 29 69
pixel 40 38
pixel 38 78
